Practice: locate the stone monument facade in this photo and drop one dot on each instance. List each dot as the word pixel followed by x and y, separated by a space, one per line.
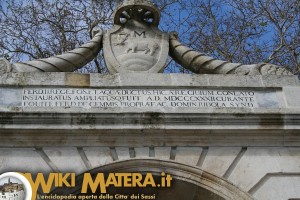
pixel 229 131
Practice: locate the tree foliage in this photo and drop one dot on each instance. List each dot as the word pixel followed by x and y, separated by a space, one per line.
pixel 246 31
pixel 41 28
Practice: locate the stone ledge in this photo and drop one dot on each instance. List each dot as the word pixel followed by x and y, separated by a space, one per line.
pixel 155 137
pixel 134 110
pixel 150 120
pixel 151 80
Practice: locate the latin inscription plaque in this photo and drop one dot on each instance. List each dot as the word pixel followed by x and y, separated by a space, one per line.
pixel 138 98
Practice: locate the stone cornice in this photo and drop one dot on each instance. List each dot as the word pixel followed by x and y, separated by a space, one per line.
pixel 146 80
pixel 142 129
pixel 268 124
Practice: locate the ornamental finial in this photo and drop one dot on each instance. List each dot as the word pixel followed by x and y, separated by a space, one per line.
pixel 140 10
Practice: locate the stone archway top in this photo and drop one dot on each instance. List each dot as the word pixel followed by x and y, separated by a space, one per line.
pixel 179 171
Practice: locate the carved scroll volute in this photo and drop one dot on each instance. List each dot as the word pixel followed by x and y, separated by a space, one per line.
pixel 67 62
pixel 200 63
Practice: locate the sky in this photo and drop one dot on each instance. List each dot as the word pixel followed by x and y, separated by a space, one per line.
pixel 12 179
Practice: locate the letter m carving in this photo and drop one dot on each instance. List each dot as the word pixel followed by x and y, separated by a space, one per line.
pixel 143 34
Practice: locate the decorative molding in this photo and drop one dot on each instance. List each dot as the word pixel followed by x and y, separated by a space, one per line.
pixel 20 129
pixel 235 163
pixel 264 179
pixel 47 160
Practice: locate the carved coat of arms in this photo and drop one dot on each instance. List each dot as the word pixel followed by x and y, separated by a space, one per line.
pixel 135 47
pixel 135 44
